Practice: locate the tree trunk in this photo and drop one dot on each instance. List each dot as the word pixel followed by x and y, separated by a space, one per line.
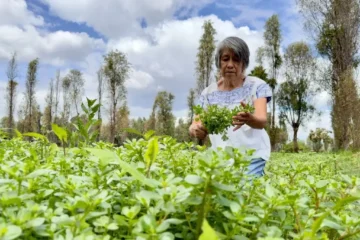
pixel 295 142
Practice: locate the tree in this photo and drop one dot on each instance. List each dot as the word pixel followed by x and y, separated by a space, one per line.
pixel 271 52
pixel 335 26
pixel 49 109
pixel 57 94
pixel 12 74
pixel 205 56
pixel 294 95
pixel 191 104
pixel 318 138
pixel 30 112
pixel 123 121
pixel 100 79
pixel 162 116
pixel 76 87
pixel 116 71
pixel 260 72
pixel 66 99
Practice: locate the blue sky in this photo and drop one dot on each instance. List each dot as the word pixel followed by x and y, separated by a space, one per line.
pixel 159 37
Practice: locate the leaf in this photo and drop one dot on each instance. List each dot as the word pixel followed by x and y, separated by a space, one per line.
pixel 18 134
pixel 36 135
pixel 193 179
pixel 131 130
pixel 251 218
pixel 322 183
pixel 12 232
pixel 269 191
pixel 36 222
pixel 151 151
pixel 207 232
pixel 235 207
pixel 331 224
pixel 148 134
pixel 40 172
pixel 228 188
pixel 60 132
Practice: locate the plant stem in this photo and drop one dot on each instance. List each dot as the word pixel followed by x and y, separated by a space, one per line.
pixel 201 213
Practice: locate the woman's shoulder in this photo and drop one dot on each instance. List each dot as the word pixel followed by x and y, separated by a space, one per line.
pixel 209 89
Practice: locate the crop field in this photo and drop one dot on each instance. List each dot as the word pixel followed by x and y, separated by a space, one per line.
pixel 157 188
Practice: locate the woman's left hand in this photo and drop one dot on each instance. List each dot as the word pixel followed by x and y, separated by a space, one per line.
pixel 241 118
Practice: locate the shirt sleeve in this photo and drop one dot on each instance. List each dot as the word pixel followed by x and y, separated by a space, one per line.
pixel 264 91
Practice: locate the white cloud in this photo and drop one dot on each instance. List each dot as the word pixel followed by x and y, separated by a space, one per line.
pixel 139 80
pixel 115 18
pixel 15 12
pixel 56 48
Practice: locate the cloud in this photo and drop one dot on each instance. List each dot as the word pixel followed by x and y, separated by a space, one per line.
pixel 114 18
pixel 56 48
pixel 15 12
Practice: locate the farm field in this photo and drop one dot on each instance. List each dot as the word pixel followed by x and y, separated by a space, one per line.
pixel 161 189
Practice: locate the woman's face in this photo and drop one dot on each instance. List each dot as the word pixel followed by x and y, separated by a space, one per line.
pixel 230 65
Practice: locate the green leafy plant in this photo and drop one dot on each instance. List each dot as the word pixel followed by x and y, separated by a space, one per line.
pixel 88 129
pixel 217 119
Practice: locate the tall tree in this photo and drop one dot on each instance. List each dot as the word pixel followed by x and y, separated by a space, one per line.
pixel 295 94
pixel 116 71
pixel 12 74
pixel 31 111
pixel 272 37
pixel 335 26
pixel 191 104
pixel 100 80
pixel 49 109
pixel 76 80
pixel 66 99
pixel 57 94
pixel 205 56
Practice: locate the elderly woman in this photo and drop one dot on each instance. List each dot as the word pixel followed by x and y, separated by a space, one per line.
pixel 233 88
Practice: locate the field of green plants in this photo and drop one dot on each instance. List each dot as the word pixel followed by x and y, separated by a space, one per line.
pixel 157 188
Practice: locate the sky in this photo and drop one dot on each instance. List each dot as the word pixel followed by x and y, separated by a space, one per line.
pixel 159 37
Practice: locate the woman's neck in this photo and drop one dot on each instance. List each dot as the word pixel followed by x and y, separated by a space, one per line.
pixel 230 84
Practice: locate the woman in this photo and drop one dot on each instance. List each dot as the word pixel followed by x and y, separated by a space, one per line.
pixel 234 88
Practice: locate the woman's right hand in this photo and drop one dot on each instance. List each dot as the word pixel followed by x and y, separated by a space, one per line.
pixel 198 130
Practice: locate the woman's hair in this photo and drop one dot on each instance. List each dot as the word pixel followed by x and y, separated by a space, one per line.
pixel 238 46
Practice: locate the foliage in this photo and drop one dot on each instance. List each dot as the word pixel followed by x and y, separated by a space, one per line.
pixel 205 56
pixel 289 147
pixel 217 119
pixel 295 94
pixel 319 138
pixel 116 70
pixel 161 189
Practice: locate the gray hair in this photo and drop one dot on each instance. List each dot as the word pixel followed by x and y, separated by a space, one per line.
pixel 235 44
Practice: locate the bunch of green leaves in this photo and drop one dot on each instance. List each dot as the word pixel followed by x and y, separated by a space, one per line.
pixel 217 119
pixel 88 129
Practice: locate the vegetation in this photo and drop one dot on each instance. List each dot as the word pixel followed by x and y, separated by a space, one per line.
pixel 158 188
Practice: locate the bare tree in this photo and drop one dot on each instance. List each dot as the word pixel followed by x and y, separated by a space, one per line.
pixel 12 74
